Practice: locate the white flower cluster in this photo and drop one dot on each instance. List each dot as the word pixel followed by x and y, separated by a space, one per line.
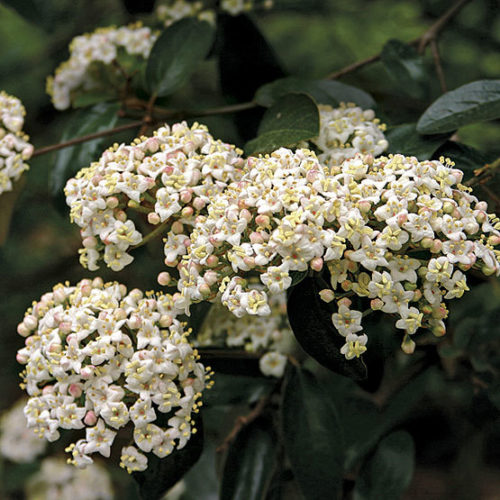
pixel 15 149
pixel 271 336
pixel 395 232
pixel 169 178
pixel 170 11
pixel 56 480
pixel 97 358
pixel 101 46
pixel 347 130
pixel 17 442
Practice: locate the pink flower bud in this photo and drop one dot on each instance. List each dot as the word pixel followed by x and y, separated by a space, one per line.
pixel 165 320
pixel 48 389
pixel 75 390
pixel 152 144
pixel 346 285
pixel 97 283
pixel 153 218
pixel 317 264
pixel 437 246
pixel 481 205
pixel 481 217
pixel 364 206
pixel 87 371
pixel 187 212
pixel 205 290
pixel 21 358
pixel 408 346
pixel 199 203
pixel 90 242
pixel 186 196
pixel 210 278
pixel 376 304
pixel 31 322
pixel 90 418
pixel 448 207
pixel 120 215
pixel 256 237
pixel 112 202
pixel 177 227
pixel 327 295
pixel 402 218
pixel 426 242
pixel 23 330
pixel 171 263
pixel 212 260
pixel 164 278
pixel 345 301
pixel 262 220
pixel 245 214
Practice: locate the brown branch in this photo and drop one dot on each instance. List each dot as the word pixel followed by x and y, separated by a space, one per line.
pixel 242 421
pixel 85 138
pixel 422 42
pixel 438 65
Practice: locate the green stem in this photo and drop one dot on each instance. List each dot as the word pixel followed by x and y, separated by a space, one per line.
pixel 153 234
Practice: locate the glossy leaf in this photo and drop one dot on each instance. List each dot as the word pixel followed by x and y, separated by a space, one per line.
pixel 313 437
pixel 69 160
pixel 323 91
pixel 293 118
pixel 176 54
pixel 406 140
pixel 249 463
pixel 388 472
pixel 470 103
pixel 405 67
pixel 163 473
pixel 311 322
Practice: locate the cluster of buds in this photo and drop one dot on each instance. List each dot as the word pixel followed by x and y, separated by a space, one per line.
pixel 56 480
pixel 347 130
pixel 395 233
pixel 170 11
pixel 81 72
pixel 271 336
pixel 101 359
pixel 18 443
pixel 163 182
pixel 15 149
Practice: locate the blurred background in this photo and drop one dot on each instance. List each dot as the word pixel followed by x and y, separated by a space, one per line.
pixel 457 429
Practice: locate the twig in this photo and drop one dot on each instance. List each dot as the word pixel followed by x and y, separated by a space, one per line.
pixel 438 65
pixel 422 42
pixel 85 138
pixel 153 234
pixel 222 110
pixel 242 421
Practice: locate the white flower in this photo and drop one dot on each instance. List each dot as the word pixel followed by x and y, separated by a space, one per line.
pixel 133 460
pixel 347 321
pixel 411 320
pixel 273 364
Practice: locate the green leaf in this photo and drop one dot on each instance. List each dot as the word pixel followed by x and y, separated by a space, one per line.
pixel 313 437
pixel 406 140
pixel 406 68
pixel 311 322
pixel 293 118
pixel 176 54
pixel 250 463
pixel 297 277
pixel 389 471
pixel 323 91
pixel 69 160
pixel 7 204
pixel 163 473
pixel 90 98
pixel 471 103
pixel 236 389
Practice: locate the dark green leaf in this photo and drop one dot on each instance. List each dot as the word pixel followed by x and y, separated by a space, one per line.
pixel 246 61
pixel 293 118
pixel 176 54
pixel 323 91
pixel 471 103
pixel 313 437
pixel 249 463
pixel 69 160
pixel 163 473
pixel 405 67
pixel 139 6
pixel 406 140
pixel 89 98
pixel 311 322
pixel 7 204
pixel 389 471
pixel 201 481
pixel 397 409
pixel 236 389
pixel 297 277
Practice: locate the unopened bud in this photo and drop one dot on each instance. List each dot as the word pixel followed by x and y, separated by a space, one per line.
pixel 408 346
pixel 327 295
pixel 153 218
pixel 187 212
pixel 213 260
pixel 376 304
pixel 164 278
pixel 186 196
pixel 23 330
pixel 437 246
pixel 165 320
pixel 345 301
pixel 346 285
pixel 317 264
pixel 177 227
pixel 75 390
pixel 90 418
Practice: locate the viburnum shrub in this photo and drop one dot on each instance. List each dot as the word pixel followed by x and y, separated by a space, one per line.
pixel 294 237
